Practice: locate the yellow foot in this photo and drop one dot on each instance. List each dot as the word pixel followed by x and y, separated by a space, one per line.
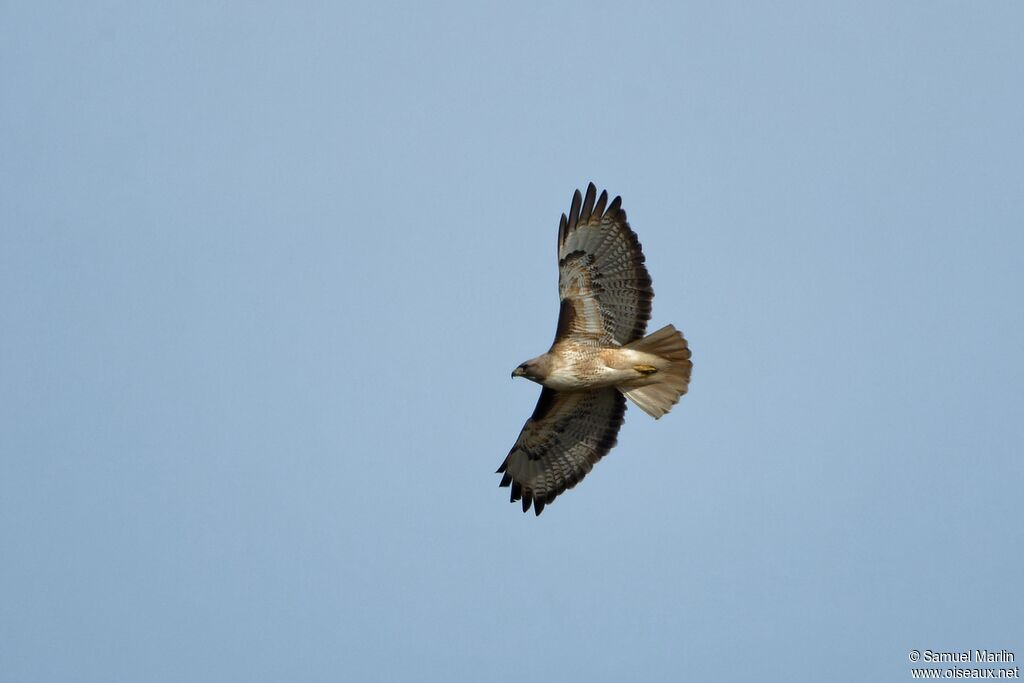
pixel 645 369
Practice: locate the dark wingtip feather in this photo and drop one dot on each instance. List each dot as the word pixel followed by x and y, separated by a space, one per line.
pixel 601 201
pixel 562 229
pixel 506 480
pixel 516 493
pixel 615 207
pixel 588 204
pixel 538 507
pixel 527 501
pixel 574 211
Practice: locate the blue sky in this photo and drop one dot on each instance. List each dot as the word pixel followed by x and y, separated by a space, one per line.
pixel 266 270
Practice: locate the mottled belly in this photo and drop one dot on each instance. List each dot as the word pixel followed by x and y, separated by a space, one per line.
pixel 597 368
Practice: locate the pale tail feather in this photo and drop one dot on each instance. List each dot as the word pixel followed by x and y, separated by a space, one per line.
pixel 658 398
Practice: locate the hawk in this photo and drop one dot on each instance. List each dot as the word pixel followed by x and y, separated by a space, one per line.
pixel 600 356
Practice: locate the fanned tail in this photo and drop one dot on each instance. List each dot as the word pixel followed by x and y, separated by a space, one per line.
pixel 657 398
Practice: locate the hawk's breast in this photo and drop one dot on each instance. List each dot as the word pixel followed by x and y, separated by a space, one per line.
pixel 580 366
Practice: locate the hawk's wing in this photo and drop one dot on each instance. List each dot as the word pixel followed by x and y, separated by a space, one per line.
pixel 602 281
pixel 567 433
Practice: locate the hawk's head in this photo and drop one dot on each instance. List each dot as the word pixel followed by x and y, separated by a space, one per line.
pixel 535 370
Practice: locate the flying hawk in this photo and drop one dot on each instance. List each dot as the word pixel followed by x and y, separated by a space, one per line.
pixel 599 358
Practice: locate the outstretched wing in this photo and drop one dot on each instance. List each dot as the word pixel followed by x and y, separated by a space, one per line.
pixel 602 281
pixel 567 433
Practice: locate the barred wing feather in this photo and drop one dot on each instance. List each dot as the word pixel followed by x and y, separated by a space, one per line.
pixel 567 433
pixel 603 283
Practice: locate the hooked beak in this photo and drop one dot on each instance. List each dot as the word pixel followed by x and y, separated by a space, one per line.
pixel 519 372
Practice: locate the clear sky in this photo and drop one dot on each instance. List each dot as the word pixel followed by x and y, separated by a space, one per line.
pixel 265 270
